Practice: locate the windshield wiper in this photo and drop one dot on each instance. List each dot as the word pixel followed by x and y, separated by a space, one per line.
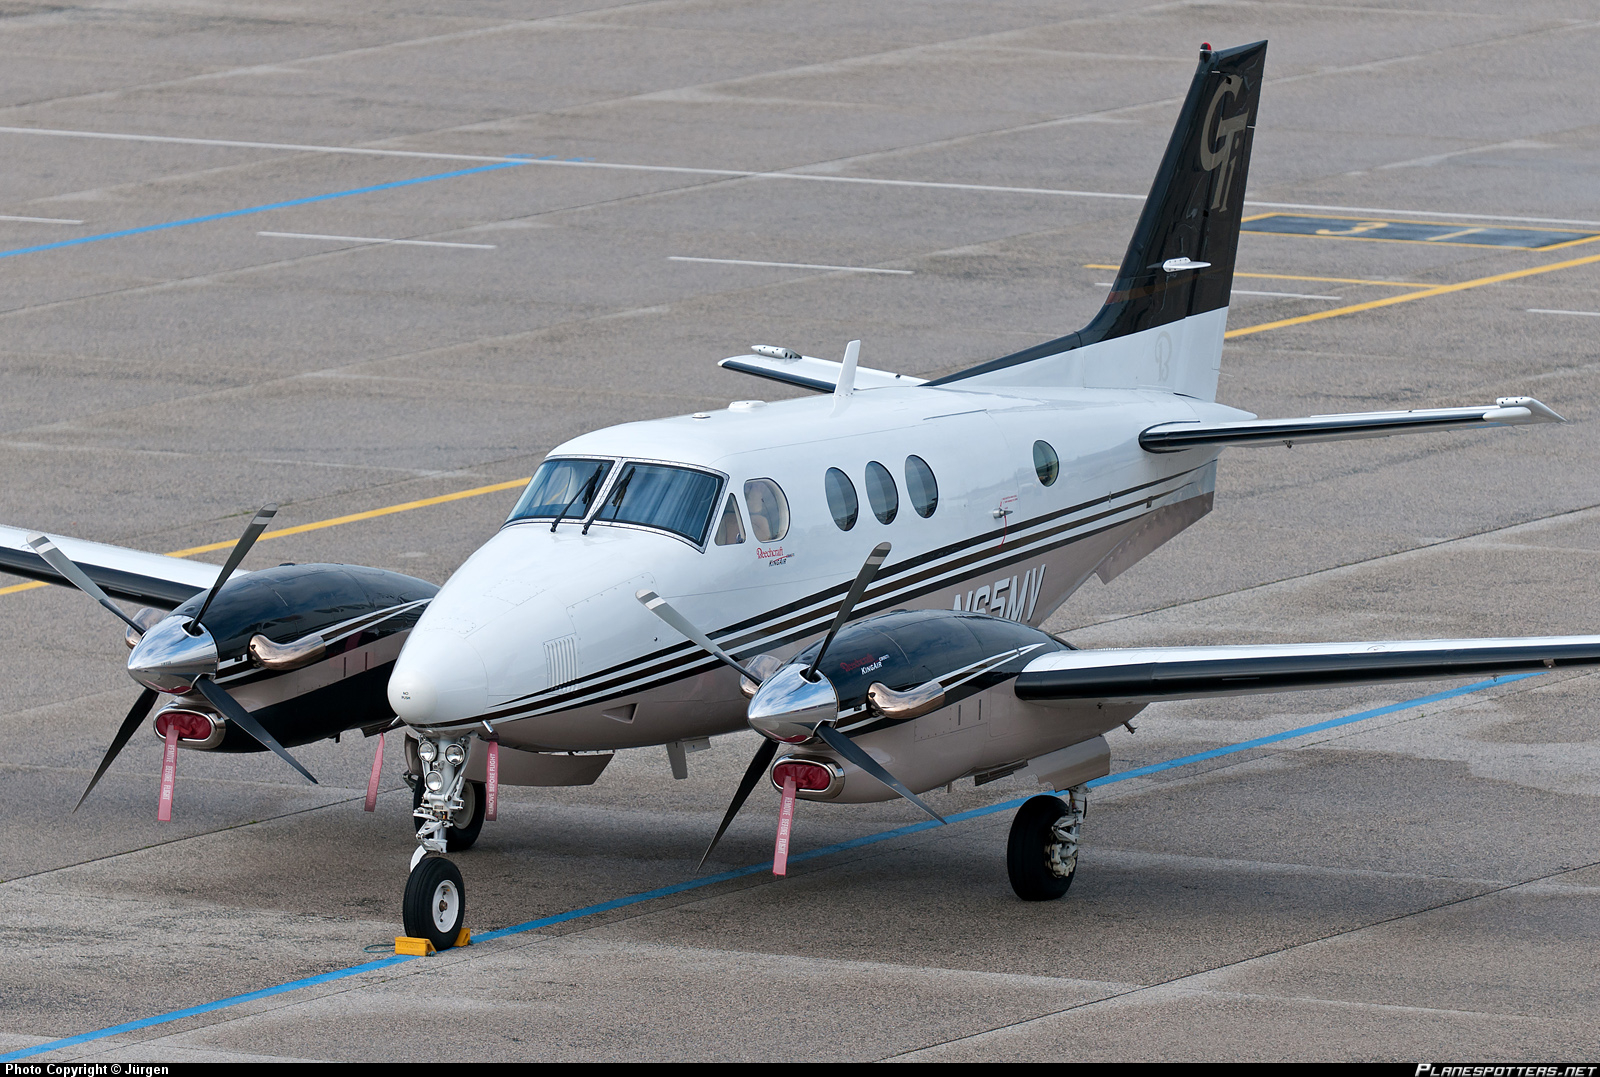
pixel 586 488
pixel 616 497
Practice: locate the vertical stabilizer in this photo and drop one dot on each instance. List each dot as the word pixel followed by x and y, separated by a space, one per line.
pixel 1162 324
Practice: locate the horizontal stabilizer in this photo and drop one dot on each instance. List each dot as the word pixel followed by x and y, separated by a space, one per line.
pixel 1506 411
pixel 1149 674
pixel 807 372
pixel 152 579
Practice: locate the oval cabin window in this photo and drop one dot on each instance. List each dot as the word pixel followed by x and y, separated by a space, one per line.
pixel 1045 463
pixel 921 486
pixel 881 493
pixel 841 498
pixel 769 510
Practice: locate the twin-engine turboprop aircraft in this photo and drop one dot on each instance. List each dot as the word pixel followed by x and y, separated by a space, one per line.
pixel 860 576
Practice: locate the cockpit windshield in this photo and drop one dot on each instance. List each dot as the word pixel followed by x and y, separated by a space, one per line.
pixel 676 499
pixel 562 488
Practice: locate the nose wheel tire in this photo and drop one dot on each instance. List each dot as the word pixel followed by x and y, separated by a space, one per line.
pixel 435 906
pixel 464 824
pixel 1042 851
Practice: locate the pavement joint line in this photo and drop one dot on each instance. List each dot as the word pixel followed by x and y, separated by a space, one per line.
pixel 298 529
pixel 377 241
pixel 810 854
pixel 38 220
pixel 788 265
pixel 1584 313
pixel 738 173
pixel 99 237
pixel 1173 982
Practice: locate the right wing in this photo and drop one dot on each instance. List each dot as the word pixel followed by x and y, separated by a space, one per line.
pixel 151 579
pixel 1149 674
pixel 1506 411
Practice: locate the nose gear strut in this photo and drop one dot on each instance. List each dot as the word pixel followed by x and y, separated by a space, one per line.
pixel 448 811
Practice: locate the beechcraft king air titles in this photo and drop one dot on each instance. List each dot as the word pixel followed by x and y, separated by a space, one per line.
pixel 857 575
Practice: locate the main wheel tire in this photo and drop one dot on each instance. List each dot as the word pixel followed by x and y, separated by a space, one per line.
pixel 1028 860
pixel 464 824
pixel 435 906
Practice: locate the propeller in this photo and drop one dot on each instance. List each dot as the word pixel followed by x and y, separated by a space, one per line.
pixel 257 525
pixel 130 725
pixel 836 740
pixel 219 696
pixel 69 568
pixel 869 569
pixel 857 755
pixel 235 713
pixel 685 627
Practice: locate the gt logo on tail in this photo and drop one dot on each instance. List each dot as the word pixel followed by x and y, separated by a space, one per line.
pixel 1217 150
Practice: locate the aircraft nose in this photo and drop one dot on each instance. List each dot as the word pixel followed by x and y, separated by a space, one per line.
pixel 439 678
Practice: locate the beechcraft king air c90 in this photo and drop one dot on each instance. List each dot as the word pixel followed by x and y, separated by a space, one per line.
pixel 859 575
pixel 656 574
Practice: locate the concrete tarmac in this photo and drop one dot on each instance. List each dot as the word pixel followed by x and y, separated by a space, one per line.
pixel 198 317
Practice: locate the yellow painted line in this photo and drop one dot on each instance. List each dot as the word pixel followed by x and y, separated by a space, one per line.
pixel 1426 293
pixel 406 506
pixel 390 510
pixel 1323 280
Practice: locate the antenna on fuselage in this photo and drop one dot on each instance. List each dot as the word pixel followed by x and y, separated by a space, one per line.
pixel 847 377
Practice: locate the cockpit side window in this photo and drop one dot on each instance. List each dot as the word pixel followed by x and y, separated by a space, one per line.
pixel 730 531
pixel 676 499
pixel 769 510
pixel 562 487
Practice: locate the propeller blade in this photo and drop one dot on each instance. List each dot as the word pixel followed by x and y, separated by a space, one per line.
pixel 235 713
pixel 857 755
pixel 752 777
pixel 258 524
pixel 663 609
pixel 875 559
pixel 69 568
pixel 130 725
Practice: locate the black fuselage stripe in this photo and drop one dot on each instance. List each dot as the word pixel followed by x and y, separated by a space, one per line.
pixel 629 682
pixel 672 659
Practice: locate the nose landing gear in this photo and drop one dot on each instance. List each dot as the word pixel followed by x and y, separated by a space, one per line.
pixel 448 813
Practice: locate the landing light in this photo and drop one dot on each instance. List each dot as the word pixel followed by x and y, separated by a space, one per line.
pixel 427 751
pixel 434 781
pixel 455 755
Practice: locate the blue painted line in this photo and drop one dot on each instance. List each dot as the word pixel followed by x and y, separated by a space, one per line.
pixel 209 1007
pixel 1305 730
pixel 248 210
pixel 752 869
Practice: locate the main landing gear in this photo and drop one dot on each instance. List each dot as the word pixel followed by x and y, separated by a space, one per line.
pixel 1042 851
pixel 448 812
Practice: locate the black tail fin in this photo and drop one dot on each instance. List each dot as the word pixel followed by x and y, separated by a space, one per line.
pixel 1179 263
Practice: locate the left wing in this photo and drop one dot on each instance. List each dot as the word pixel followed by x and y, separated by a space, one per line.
pixel 1506 411
pixel 1149 674
pixel 809 372
pixel 152 579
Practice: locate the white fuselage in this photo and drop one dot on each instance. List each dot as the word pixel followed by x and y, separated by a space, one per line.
pixel 540 634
